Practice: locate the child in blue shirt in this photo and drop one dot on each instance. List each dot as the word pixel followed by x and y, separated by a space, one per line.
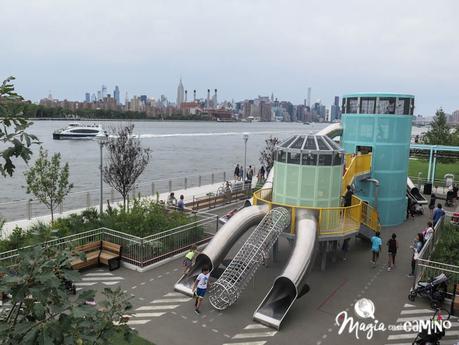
pixel 376 243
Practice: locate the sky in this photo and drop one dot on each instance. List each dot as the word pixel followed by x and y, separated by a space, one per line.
pixel 244 48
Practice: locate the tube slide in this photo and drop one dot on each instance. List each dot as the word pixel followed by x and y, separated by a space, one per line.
pixel 332 131
pixel 221 243
pixel 413 192
pixel 290 284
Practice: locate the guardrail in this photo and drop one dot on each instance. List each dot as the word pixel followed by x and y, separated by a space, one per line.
pixel 30 208
pixel 425 268
pixel 333 221
pixel 137 251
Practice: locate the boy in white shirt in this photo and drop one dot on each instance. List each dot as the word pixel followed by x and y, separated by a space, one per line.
pixel 200 286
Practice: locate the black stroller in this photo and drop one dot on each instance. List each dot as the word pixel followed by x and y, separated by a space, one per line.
pixel 435 289
pixel 436 333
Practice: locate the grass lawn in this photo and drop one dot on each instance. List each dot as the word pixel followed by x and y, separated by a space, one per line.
pixel 416 165
pixel 136 340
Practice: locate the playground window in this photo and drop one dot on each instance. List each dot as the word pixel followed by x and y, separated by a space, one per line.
pixel 309 159
pixel 367 105
pixel 281 156
pixel 294 158
pixel 352 105
pixel 325 159
pixel 386 105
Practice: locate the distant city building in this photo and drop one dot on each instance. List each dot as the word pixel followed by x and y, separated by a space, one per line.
pixel 99 95
pixel 143 99
pixel 180 94
pixel 93 97
pixel 104 91
pixel 335 111
pixel 116 94
pixel 87 97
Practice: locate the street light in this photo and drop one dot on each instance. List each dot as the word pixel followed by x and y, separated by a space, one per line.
pixel 245 137
pixel 102 140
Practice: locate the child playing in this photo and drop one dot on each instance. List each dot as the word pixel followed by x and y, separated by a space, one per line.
pixel 375 248
pixel 392 251
pixel 188 261
pixel 200 286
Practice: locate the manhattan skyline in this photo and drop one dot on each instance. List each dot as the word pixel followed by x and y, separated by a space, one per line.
pixel 336 48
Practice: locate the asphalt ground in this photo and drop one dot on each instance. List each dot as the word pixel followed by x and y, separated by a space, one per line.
pixel 167 318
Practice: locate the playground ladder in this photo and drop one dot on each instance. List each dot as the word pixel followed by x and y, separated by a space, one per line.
pixel 226 290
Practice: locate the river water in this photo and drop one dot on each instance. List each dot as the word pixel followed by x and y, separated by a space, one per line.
pixel 179 148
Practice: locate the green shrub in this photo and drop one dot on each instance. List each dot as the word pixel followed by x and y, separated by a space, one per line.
pixel 447 248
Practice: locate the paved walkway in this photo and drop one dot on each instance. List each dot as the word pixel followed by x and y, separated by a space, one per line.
pixel 167 318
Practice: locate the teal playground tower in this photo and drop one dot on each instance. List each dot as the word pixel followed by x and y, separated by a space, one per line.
pixel 380 123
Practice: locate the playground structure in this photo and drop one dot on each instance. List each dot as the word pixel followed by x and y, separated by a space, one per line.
pixel 300 201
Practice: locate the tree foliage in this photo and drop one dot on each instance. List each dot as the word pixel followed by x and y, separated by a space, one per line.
pixel 440 132
pixel 126 161
pixel 42 310
pixel 267 155
pixel 48 181
pixel 15 141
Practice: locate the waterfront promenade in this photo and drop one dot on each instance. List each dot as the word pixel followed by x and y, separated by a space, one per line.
pixel 188 194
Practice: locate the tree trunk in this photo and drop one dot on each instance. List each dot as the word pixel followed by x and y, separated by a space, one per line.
pixel 52 212
pixel 124 203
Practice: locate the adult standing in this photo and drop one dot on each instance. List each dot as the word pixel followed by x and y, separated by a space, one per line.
pixel 392 251
pixel 261 173
pixel 236 172
pixel 416 249
pixel 347 197
pixel 437 214
pixel 433 200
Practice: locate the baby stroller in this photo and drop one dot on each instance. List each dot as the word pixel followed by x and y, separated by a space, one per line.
pixel 449 198
pixel 438 332
pixel 434 289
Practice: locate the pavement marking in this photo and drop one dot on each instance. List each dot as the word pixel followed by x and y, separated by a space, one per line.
pixel 157 307
pixel 168 272
pixel 98 274
pixel 110 283
pixel 408 305
pixel 137 322
pixel 142 283
pixel 174 294
pixel 141 299
pixel 416 311
pixel 414 318
pixel 85 284
pixel 255 326
pixel 171 300
pixel 148 314
pixel 175 269
pixel 160 276
pixel 227 336
pixel 151 279
pixel 184 317
pixel 204 325
pixel 214 330
pixel 255 335
pixel 249 343
pixel 134 287
pixel 102 278
pixel 324 336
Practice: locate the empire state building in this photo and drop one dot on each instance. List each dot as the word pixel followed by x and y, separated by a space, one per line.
pixel 180 94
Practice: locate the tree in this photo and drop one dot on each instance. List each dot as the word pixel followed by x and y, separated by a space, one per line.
pixel 48 181
pixel 267 155
pixel 14 139
pixel 43 312
pixel 440 132
pixel 127 160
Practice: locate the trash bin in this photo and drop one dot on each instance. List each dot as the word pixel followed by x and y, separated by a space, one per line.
pixel 428 188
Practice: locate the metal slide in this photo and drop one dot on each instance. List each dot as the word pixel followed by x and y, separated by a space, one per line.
pixel 290 285
pixel 253 253
pixel 413 192
pixel 221 243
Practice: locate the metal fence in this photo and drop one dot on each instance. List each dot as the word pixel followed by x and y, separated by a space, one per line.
pixel 30 208
pixel 138 251
pixel 426 268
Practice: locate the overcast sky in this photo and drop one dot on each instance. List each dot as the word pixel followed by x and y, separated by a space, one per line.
pixel 244 48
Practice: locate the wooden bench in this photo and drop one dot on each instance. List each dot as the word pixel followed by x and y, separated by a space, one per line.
pixel 110 255
pixel 98 252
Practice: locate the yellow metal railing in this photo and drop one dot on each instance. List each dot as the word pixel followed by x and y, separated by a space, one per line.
pixel 355 165
pixel 333 221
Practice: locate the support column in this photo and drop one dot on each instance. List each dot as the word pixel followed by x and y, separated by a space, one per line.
pixel 434 166
pixel 430 164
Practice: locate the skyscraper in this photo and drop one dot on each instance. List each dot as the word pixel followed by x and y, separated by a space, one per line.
pixel 116 94
pixel 180 94
pixel 104 91
pixel 309 97
pixel 87 97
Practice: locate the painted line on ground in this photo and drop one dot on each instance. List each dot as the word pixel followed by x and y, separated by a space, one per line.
pixel 102 278
pixel 97 274
pixel 171 300
pixel 255 335
pixel 137 322
pixel 249 343
pixel 157 307
pixel 174 294
pixel 148 314
pixel 255 326
pixel 416 311
pixel 85 284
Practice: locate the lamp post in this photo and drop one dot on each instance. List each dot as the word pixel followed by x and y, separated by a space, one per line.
pixel 245 137
pixel 102 140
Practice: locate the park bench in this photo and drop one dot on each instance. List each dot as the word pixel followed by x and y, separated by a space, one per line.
pixel 98 252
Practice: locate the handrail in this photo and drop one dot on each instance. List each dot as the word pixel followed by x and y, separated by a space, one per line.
pixel 355 166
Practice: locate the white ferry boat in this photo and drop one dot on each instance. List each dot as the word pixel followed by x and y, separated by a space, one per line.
pixel 79 131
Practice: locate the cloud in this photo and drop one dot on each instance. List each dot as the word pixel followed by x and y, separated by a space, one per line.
pixel 243 48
